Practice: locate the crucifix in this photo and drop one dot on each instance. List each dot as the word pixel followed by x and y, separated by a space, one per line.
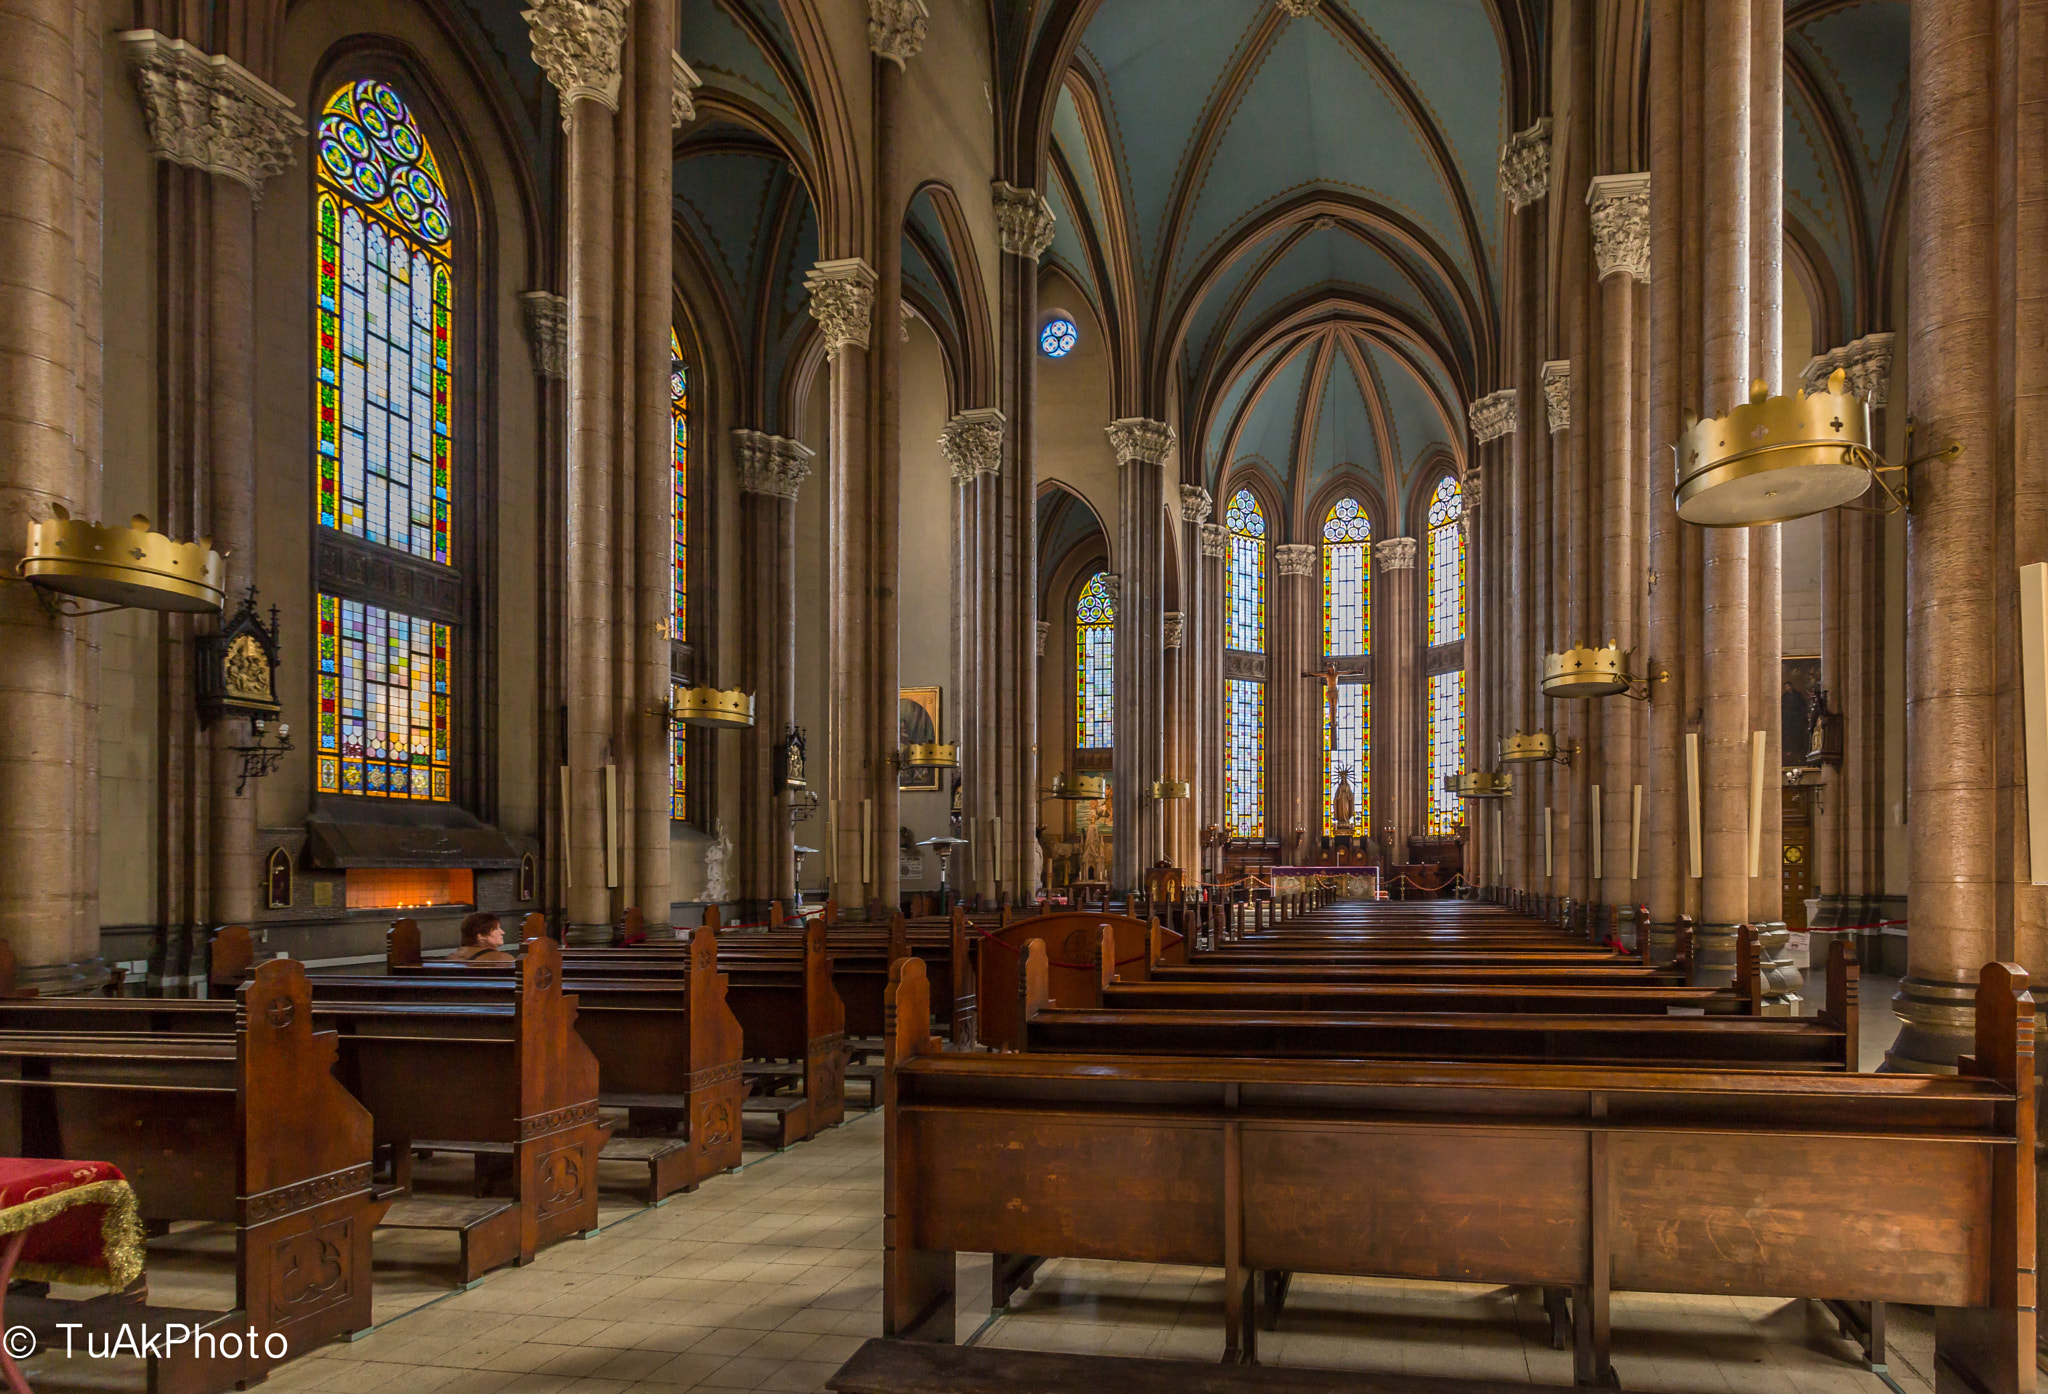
pixel 1328 675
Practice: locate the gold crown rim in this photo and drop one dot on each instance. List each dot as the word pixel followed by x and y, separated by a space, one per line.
pixel 715 708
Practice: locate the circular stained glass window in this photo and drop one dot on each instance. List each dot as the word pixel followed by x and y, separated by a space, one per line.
pixel 1058 338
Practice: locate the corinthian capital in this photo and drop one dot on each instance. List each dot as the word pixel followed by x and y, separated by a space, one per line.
pixel 973 443
pixel 1215 540
pixel 1024 218
pixel 576 43
pixel 1136 438
pixel 683 102
pixel 1172 628
pixel 1525 165
pixel 209 112
pixel 896 29
pixel 1295 559
pixel 1866 362
pixel 1621 225
pixel 1195 504
pixel 842 301
pixel 1044 633
pixel 1557 393
pixel 1395 554
pixel 772 465
pixel 1493 415
pixel 547 332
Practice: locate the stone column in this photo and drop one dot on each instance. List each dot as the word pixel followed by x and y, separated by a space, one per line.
pixel 1400 798
pixel 1294 702
pixel 1951 703
pixel 1142 448
pixel 1524 179
pixel 1725 668
pixel 772 469
pixel 973 445
pixel 1173 813
pixel 1025 222
pixel 1621 250
pixel 1209 734
pixel 48 388
pixel 577 44
pixel 862 782
pixel 1492 419
pixel 1566 719
pixel 1766 365
pixel 209 115
pixel 653 459
pixel 1197 754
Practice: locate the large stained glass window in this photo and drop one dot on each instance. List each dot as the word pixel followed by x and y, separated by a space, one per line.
pixel 1348 750
pixel 1244 584
pixel 383 699
pixel 383 353
pixel 1347 580
pixel 1446 563
pixel 1244 758
pixel 679 416
pixel 1446 748
pixel 1094 664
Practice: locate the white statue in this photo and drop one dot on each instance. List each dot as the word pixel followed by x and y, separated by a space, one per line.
pixel 717 854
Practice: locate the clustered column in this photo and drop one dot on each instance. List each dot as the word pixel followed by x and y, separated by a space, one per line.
pixel 771 470
pixel 973 445
pixel 1209 735
pixel 1492 419
pixel 1197 754
pixel 1400 797
pixel 1566 719
pixel 1297 705
pixel 1142 448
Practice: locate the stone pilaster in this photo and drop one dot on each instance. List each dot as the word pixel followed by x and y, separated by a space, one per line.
pixel 973 445
pixel 1213 550
pixel 1293 702
pixel 772 470
pixel 208 112
pixel 1557 393
pixel 1142 449
pixel 545 317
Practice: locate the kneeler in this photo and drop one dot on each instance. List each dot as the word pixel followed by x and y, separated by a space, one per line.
pixel 65 1222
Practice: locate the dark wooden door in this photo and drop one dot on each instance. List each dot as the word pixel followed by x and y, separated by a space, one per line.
pixel 1798 857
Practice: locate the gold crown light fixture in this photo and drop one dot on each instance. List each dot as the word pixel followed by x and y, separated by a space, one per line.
pixel 1587 672
pixel 122 566
pixel 1170 789
pixel 714 708
pixel 1773 459
pixel 1079 788
pixel 1480 784
pixel 1534 748
pixel 931 755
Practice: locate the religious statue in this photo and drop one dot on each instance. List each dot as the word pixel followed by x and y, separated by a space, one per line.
pixel 1344 804
pixel 717 858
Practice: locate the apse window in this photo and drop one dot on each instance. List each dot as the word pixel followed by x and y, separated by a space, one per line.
pixel 1058 338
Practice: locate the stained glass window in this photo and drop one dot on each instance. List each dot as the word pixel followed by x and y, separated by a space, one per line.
pixel 383 327
pixel 1446 748
pixel 383 680
pixel 1094 664
pixel 383 349
pixel 1244 604
pixel 679 413
pixel 1347 580
pixel 1446 563
pixel 1244 758
pixel 1348 750
pixel 1058 338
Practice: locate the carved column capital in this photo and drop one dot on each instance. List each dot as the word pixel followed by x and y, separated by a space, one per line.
pixel 1394 554
pixel 1621 225
pixel 683 102
pixel 772 465
pixel 1866 362
pixel 1525 165
pixel 1024 218
pixel 1299 8
pixel 576 43
pixel 973 443
pixel 1470 491
pixel 1113 583
pixel 1493 415
pixel 1173 628
pixel 1557 393
pixel 896 29
pixel 1195 504
pixel 1215 540
pixel 1044 633
pixel 1136 438
pixel 842 301
pixel 547 332
pixel 1295 559
pixel 211 113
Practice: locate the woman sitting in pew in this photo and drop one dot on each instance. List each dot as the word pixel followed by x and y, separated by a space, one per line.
pixel 483 942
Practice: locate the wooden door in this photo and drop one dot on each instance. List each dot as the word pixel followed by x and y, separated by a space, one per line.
pixel 1798 856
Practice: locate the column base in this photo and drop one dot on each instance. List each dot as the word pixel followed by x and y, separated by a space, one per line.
pixel 73 979
pixel 1940 1023
pixel 1875 924
pixel 1657 943
pixel 587 936
pixel 1713 963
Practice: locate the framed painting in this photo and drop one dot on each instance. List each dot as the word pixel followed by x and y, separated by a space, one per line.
pixel 1801 674
pixel 917 714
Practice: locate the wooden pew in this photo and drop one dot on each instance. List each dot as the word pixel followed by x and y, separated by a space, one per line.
pixel 667 1051
pixel 1072 941
pixel 789 1010
pixel 245 1125
pixel 1599 1180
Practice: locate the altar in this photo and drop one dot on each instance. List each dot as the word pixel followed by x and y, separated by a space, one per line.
pixel 1348 882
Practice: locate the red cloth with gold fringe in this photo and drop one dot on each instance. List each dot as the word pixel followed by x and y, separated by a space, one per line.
pixel 83 1224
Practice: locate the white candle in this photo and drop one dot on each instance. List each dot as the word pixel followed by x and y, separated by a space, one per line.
pixel 1757 755
pixel 1635 832
pixel 1692 797
pixel 1597 839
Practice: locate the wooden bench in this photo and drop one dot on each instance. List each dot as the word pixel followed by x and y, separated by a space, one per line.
pixel 238 1121
pixel 668 1051
pixel 1593 1179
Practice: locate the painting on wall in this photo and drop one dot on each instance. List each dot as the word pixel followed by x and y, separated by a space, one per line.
pixel 1801 680
pixel 917 714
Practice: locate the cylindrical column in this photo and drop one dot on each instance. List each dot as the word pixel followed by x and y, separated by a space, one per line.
pixel 1725 669
pixel 1951 704
pixel 1142 448
pixel 1400 797
pixel 653 479
pixel 1766 364
pixel 1617 438
pixel 771 471
pixel 1296 705
pixel 1215 546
